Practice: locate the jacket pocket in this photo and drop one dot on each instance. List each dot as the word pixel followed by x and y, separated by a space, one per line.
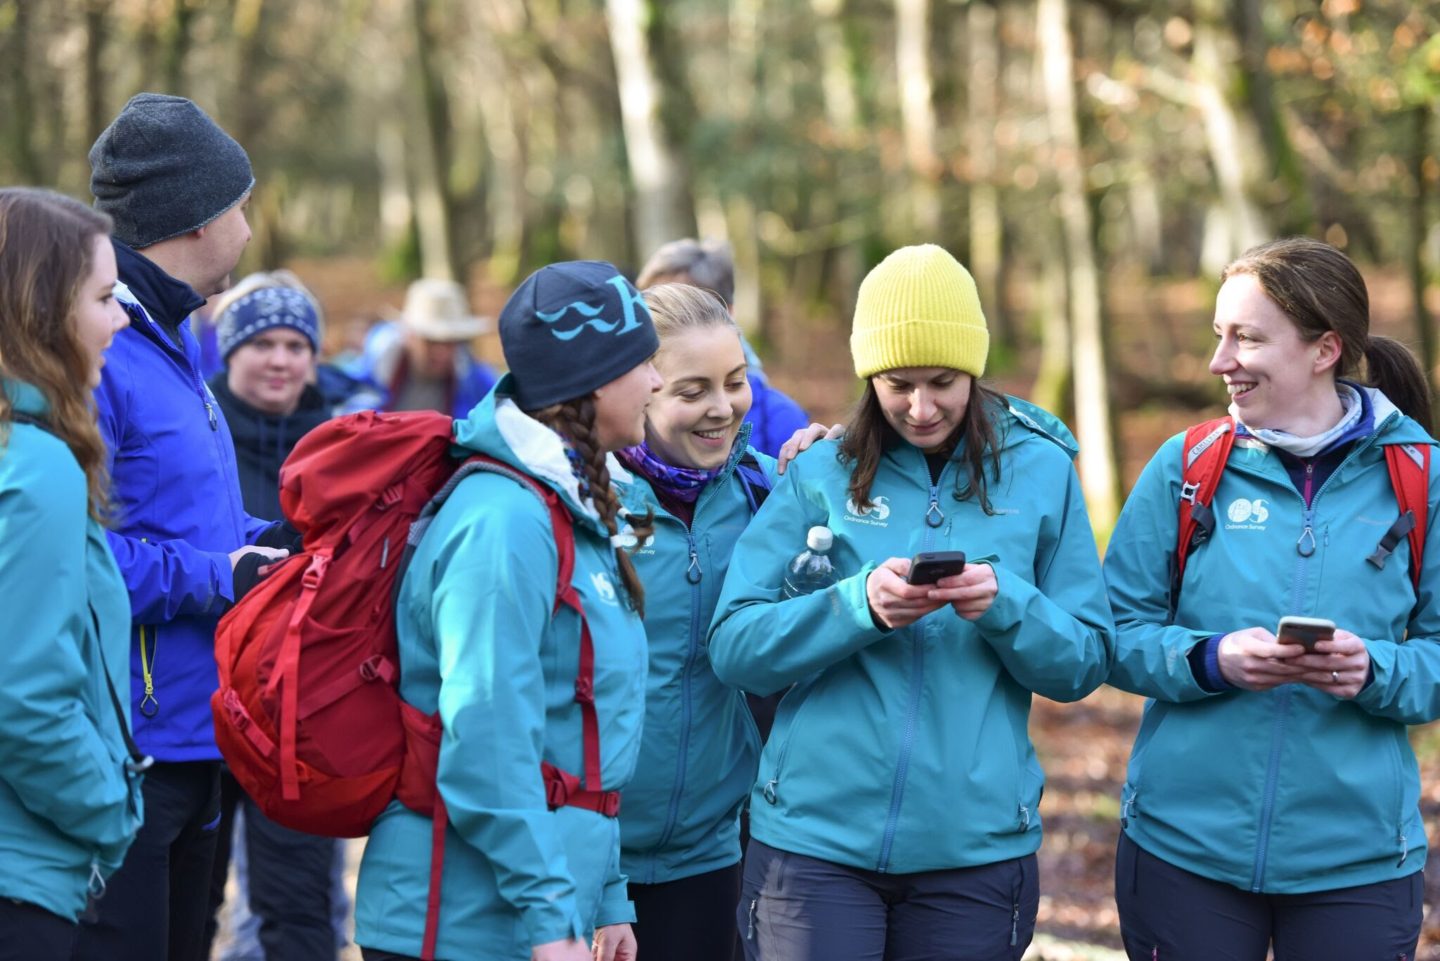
pixel 800 695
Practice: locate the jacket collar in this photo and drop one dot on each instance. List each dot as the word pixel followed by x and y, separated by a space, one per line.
pixel 168 301
pixel 25 397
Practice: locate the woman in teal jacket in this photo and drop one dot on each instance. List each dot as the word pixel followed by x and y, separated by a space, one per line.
pixel 69 796
pixel 482 645
pixel 895 811
pixel 1273 798
pixel 679 830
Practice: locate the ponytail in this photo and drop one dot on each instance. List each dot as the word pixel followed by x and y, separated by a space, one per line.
pixel 574 420
pixel 1394 370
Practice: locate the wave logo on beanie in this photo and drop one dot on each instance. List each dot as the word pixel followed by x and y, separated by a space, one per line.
pixel 542 324
pixel 629 299
pixel 919 308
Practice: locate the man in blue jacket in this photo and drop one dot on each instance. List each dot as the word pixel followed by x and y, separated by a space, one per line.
pixel 176 186
pixel 774 416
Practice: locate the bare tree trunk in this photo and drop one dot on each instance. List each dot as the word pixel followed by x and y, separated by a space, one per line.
pixel 96 26
pixel 917 115
pixel 1419 230
pixel 22 99
pixel 1099 475
pixel 1052 389
pixel 1233 146
pixel 655 165
pixel 841 107
pixel 433 207
pixel 987 241
pixel 741 220
pixel 176 48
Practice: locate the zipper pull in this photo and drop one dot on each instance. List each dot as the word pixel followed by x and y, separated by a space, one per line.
pixel 934 516
pixel 750 925
pixel 1305 546
pixel 768 791
pixel 693 572
pixel 1404 851
pixel 1125 812
pixel 1015 925
pixel 210 411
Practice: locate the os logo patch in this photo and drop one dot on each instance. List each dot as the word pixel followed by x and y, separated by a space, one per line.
pixel 877 513
pixel 1245 511
pixel 603 587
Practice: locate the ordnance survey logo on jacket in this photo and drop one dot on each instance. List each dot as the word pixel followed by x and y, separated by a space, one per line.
pixel 1247 515
pixel 874 515
pixel 603 586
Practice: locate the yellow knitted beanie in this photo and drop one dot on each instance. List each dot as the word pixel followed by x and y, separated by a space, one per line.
pixel 919 308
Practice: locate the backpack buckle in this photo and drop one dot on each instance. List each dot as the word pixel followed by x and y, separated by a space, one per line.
pixel 1188 490
pixel 584 690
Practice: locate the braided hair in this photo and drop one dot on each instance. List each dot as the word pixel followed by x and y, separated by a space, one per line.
pixel 574 421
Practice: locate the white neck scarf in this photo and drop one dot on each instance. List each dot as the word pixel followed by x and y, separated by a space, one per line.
pixel 1310 446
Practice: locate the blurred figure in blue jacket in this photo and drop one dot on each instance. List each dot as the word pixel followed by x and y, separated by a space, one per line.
pixel 422 361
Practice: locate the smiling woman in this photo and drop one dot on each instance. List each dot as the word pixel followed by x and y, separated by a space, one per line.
pixel 1250 810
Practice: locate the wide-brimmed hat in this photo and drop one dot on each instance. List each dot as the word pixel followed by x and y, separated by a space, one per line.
pixel 439 310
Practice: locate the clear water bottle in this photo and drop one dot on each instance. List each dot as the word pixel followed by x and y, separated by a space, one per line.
pixel 811 569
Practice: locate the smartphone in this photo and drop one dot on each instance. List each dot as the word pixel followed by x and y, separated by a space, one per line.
pixel 1304 630
pixel 927 567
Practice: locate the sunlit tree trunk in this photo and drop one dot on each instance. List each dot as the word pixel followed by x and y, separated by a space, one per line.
pixel 1099 475
pixel 1419 231
pixel 917 114
pixel 1230 136
pixel 741 220
pixel 433 206
pixel 655 164
pixel 985 221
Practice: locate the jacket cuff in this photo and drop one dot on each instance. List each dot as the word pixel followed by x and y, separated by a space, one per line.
pixel 556 921
pixel 1204 661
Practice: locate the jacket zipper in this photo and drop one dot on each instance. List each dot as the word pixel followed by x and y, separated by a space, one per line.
pixel 149 706
pixel 693 574
pixel 934 517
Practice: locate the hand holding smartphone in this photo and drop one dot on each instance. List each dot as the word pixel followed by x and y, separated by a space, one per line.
pixel 1306 631
pixel 927 567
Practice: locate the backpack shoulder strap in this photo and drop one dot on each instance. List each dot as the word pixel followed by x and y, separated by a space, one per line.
pixel 753 480
pixel 1207 448
pixel 1409 469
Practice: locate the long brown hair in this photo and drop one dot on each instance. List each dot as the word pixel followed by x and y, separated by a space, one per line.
pixel 574 420
pixel 46 253
pixel 1321 290
pixel 868 435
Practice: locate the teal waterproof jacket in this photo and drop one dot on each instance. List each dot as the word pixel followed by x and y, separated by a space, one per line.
pixel 479 645
pixel 68 807
pixel 681 815
pixel 907 750
pixel 1288 790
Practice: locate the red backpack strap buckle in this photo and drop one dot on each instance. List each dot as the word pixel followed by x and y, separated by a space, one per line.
pixel 1409 469
pixel 1203 457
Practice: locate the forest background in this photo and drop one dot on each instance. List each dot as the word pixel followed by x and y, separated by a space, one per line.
pixel 1093 162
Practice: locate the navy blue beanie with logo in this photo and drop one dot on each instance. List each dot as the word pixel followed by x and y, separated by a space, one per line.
pixel 573 327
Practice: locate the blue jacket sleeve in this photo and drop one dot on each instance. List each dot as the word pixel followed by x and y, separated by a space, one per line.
pixel 1406 683
pixel 52 754
pixel 762 642
pixel 493 592
pixel 1151 654
pixel 166 579
pixel 775 416
pixel 1055 636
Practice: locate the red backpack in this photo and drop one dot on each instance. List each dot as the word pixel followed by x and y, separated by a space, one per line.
pixel 308 714
pixel 1207 448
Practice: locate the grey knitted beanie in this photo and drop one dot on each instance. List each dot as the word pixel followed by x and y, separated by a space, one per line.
pixel 163 168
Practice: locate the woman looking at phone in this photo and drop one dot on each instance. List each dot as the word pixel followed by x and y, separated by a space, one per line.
pixel 1273 798
pixel 895 811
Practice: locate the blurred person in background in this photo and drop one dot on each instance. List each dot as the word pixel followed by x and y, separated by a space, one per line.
pixel 423 361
